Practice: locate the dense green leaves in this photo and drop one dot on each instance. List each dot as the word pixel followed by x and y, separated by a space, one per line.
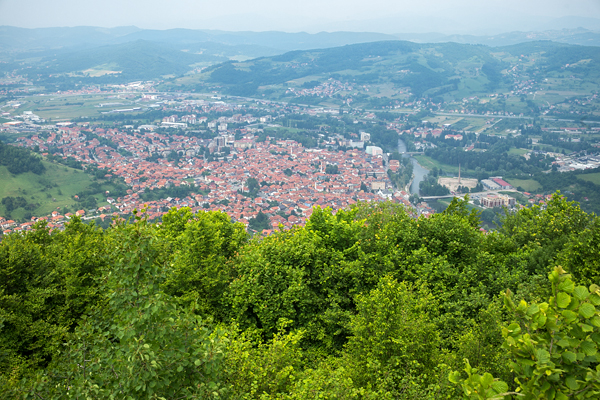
pixel 46 284
pixel 388 321
pixel 554 355
pixel 140 344
pixel 581 255
pixel 543 232
pixel 201 246
pixel 364 303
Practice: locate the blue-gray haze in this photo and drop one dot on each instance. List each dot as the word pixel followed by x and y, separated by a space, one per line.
pixel 387 16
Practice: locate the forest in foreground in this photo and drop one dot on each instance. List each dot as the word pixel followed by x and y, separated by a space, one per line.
pixel 363 303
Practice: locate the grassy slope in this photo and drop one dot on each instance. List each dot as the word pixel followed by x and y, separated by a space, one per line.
pixel 34 188
pixel 594 178
pixel 429 163
pixel 528 185
pixel 518 152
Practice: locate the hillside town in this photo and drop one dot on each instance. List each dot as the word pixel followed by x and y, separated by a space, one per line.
pixel 292 179
pixel 217 149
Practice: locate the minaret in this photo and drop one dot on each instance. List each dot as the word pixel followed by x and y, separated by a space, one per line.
pixel 459 174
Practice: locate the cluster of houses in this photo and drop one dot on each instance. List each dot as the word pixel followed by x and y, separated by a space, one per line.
pixel 326 89
pixel 293 179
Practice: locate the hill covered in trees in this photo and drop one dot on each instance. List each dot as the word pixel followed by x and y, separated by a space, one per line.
pixel 428 70
pixel 19 160
pixel 366 303
pixel 196 62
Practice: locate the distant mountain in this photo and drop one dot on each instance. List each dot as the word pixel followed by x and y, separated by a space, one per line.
pixel 584 31
pixel 578 36
pixel 21 39
pixel 427 69
pixel 66 56
pixel 132 61
pixel 421 67
pixel 451 18
pixel 282 41
pixel 571 22
pixel 216 46
pixel 230 51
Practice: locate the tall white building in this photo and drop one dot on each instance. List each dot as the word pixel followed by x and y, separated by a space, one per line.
pixel 374 150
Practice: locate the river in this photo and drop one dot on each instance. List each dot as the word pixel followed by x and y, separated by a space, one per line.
pixel 418 171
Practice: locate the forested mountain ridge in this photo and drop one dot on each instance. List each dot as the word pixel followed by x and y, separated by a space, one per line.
pixel 429 70
pixel 439 71
pixel 14 39
pixel 129 61
pixel 368 303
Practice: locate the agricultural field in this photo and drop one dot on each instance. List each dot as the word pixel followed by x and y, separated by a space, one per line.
pixel 475 124
pixel 469 86
pixel 518 152
pixel 506 126
pixel 594 178
pixel 101 70
pixel 467 123
pixel 460 125
pixel 429 163
pixel 189 79
pixel 444 119
pixel 553 149
pixel 383 90
pixel 528 185
pixel 60 107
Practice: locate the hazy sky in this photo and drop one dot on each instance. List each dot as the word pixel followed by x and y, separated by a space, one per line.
pixel 390 16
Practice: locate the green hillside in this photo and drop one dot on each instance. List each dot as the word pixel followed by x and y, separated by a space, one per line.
pixel 135 60
pixel 115 63
pixel 401 63
pixel 373 74
pixel 52 190
pixel 45 193
pixel 443 70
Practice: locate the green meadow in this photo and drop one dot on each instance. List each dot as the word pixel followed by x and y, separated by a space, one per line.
pixel 51 190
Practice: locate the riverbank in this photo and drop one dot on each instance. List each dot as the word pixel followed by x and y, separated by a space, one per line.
pixel 419 171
